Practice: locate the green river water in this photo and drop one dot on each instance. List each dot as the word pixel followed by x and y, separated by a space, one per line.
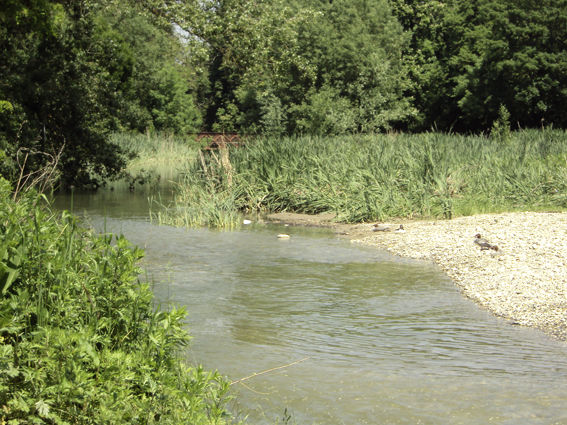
pixel 382 340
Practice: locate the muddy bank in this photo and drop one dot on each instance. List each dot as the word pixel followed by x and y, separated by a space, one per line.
pixel 322 220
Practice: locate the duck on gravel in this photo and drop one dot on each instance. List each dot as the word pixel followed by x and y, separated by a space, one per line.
pixel 378 228
pixel 483 243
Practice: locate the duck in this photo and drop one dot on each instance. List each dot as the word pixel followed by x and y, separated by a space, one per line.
pixel 378 228
pixel 400 229
pixel 483 243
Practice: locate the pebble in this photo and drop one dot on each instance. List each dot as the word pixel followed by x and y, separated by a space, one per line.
pixel 525 281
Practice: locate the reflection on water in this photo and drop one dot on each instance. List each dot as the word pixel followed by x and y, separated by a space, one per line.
pixel 388 340
pixel 118 201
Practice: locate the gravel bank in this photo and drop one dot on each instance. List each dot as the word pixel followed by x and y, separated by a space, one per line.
pixel 525 281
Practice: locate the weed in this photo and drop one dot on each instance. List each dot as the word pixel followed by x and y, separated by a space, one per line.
pixel 80 338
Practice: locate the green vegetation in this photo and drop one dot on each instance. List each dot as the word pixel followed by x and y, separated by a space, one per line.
pixel 311 67
pixel 75 72
pixel 470 57
pixel 206 196
pixel 348 66
pixel 81 340
pixel 87 85
pixel 154 148
pixel 365 178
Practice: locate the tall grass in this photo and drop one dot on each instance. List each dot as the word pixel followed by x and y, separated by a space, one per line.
pixel 206 195
pixel 156 148
pixel 81 340
pixel 365 178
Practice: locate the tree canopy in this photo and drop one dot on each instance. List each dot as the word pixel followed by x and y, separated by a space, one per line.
pixel 73 71
pixel 472 57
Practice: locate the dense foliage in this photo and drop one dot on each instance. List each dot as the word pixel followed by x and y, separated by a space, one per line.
pixel 309 67
pixel 73 71
pixel 59 97
pixel 367 178
pixel 81 340
pixel 470 58
pixel 347 66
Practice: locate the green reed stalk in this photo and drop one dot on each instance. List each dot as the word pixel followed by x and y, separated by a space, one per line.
pixel 371 177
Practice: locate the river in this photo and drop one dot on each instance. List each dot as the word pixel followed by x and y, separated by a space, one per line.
pixel 353 334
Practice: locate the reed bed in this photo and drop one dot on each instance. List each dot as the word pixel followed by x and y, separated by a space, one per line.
pixel 375 177
pixel 81 339
pixel 205 196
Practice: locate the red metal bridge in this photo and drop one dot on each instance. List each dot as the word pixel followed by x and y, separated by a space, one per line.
pixel 219 140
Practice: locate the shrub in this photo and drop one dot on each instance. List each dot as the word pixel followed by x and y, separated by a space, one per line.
pixel 81 340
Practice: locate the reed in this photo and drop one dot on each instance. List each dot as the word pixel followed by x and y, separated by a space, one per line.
pixel 205 195
pixel 81 340
pixel 375 177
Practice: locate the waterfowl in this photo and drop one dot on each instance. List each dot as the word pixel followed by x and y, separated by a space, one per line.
pixel 283 236
pixel 400 229
pixel 246 222
pixel 483 243
pixel 378 228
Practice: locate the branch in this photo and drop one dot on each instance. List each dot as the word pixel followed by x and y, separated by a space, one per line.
pixel 266 371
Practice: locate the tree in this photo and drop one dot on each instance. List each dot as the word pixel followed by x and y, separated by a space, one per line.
pixel 172 107
pixel 308 67
pixel 253 55
pixel 355 47
pixel 519 57
pixel 72 75
pixel 157 90
pixel 472 57
pixel 423 56
pixel 62 97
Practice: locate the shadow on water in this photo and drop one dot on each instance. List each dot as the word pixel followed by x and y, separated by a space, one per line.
pixel 389 340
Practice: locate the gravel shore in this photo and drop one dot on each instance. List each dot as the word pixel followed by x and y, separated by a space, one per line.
pixel 524 281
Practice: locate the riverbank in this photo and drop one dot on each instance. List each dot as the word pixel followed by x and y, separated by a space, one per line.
pixel 83 340
pixel 364 178
pixel 153 149
pixel 524 282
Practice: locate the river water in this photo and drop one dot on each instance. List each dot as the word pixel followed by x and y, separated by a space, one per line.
pixel 378 339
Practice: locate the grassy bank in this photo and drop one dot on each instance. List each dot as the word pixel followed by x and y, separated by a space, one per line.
pixel 156 148
pixel 152 156
pixel 367 178
pixel 81 340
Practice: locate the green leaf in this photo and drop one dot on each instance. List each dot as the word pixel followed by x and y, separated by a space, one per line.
pixel 10 268
pixel 88 348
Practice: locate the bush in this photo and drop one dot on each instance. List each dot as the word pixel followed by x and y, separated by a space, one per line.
pixel 80 338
